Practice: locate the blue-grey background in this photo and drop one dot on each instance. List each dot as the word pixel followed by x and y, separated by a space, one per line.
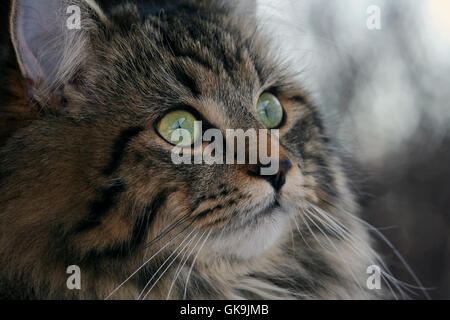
pixel 386 97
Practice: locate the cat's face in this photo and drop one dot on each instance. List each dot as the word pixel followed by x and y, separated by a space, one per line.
pixel 136 72
pixel 216 75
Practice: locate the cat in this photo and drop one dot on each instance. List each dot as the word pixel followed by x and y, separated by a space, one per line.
pixel 86 176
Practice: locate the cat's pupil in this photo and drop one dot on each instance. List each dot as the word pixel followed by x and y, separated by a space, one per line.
pixel 266 112
pixel 178 124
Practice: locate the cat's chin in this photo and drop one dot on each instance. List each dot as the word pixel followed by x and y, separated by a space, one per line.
pixel 250 240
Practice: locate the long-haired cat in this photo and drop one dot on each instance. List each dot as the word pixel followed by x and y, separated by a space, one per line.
pixel 86 176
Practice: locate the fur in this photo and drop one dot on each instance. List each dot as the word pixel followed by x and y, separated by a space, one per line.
pixel 85 179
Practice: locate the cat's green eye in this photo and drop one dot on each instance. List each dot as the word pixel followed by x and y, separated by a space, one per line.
pixel 269 110
pixel 179 128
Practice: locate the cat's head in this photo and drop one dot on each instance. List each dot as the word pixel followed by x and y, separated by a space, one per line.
pixel 108 86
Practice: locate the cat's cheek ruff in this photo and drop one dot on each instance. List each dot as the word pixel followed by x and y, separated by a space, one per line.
pixel 252 241
pixel 257 231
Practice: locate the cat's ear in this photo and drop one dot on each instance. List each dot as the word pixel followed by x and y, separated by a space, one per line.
pixel 51 39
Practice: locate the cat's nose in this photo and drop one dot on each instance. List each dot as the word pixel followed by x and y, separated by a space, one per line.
pixel 278 179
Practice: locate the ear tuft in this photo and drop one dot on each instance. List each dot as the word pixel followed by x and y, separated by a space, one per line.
pixel 51 38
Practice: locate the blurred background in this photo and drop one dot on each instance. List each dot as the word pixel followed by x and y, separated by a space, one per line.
pixel 385 93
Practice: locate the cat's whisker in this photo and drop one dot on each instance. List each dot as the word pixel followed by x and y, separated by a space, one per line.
pixel 292 235
pixel 193 263
pixel 170 228
pixel 343 232
pixel 144 209
pixel 182 264
pixel 387 242
pixel 164 263
pixel 184 249
pixel 354 241
pixel 301 234
pixel 143 265
pixel 349 238
pixel 337 251
pixel 263 289
pixel 390 278
pixel 357 250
